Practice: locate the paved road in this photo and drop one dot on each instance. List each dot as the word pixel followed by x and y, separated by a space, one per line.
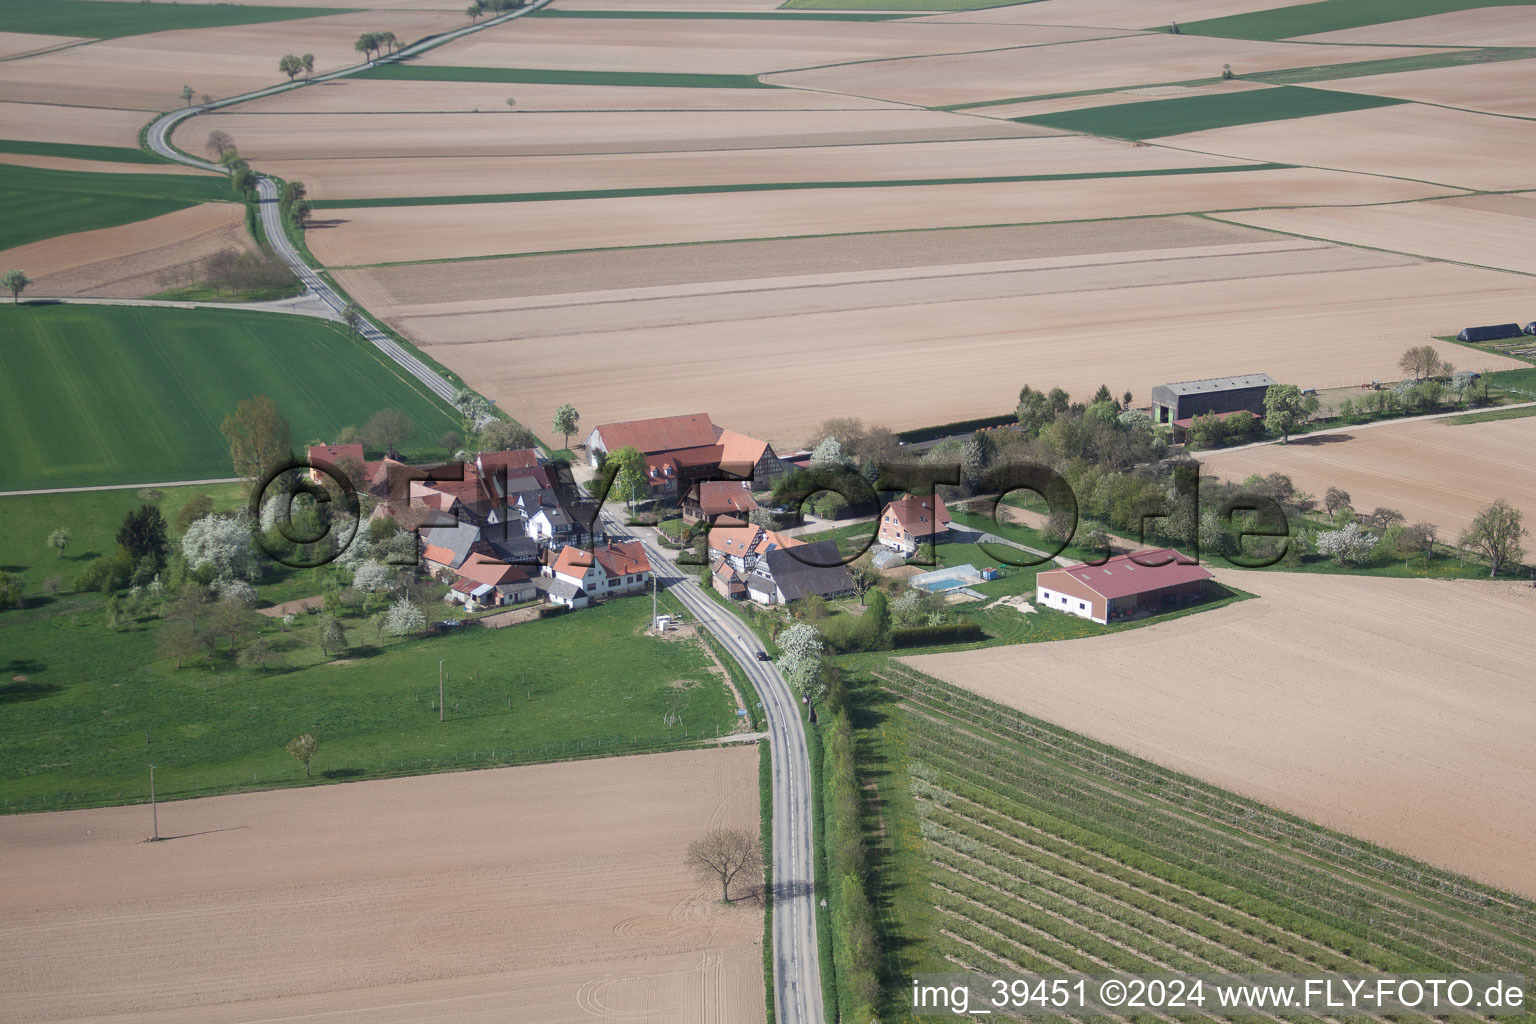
pixel 797 974
pixel 796 964
pixel 159 138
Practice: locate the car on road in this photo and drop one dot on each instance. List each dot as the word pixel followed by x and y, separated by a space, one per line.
pixel 763 656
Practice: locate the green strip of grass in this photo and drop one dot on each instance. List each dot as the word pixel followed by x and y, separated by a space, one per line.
pixel 1492 415
pixel 116 395
pixel 44 203
pixel 116 154
pixel 554 12
pixel 1392 65
pixel 107 19
pixel 1330 16
pixel 539 76
pixel 1157 118
pixel 767 186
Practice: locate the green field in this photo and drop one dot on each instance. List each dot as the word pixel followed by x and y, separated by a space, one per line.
pixel 108 395
pixel 1000 841
pixel 116 154
pixel 45 203
pixel 770 186
pixel 1330 16
pixel 555 12
pixel 1392 65
pixel 534 76
pixel 103 19
pixel 1157 118
pixel 1521 382
pixel 580 685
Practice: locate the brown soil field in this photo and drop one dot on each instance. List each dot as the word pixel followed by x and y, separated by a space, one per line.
pixel 1121 62
pixel 1495 232
pixel 15 44
pixel 1455 147
pixel 372 96
pixel 1484 26
pixel 1496 88
pixel 729 46
pixel 394 234
pixel 1398 711
pixel 970 335
pixel 147 72
pixel 43 122
pixel 1430 470
pixel 1126 14
pixel 553 892
pixel 506 133
pixel 421 176
pixel 129 261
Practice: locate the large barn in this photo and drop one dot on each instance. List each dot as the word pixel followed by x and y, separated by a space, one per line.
pixel 1140 582
pixel 1190 398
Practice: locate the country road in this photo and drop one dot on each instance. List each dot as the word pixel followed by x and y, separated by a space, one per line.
pixel 796 963
pixel 796 957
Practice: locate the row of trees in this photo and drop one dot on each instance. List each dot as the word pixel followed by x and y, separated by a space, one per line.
pixel 370 43
pixel 292 64
pixel 481 7
pixel 293 203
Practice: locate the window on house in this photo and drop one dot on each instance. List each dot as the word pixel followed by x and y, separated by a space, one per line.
pixel 1081 605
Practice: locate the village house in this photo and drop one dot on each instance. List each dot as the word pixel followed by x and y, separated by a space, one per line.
pixel 682 450
pixel 609 570
pixel 488 583
pixel 713 501
pixel 782 575
pixel 912 521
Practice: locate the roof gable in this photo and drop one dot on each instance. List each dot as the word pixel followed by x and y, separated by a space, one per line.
pixel 660 434
pixel 1134 573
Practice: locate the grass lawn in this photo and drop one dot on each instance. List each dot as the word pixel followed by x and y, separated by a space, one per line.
pixel 577 685
pixel 108 395
pixel 1521 383
pixel 643 79
pixel 1330 16
pixel 1491 415
pixel 1392 65
pixel 102 19
pixel 45 203
pixel 1157 118
pixel 115 154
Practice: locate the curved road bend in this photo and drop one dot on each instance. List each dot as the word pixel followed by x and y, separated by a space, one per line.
pixel 796 963
pixel 159 138
pixel 796 958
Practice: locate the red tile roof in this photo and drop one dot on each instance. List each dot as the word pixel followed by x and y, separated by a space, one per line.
pixel 918 514
pixel 740 453
pixel 333 452
pixel 716 497
pixel 433 553
pixel 661 434
pixel 483 569
pixel 1134 573
pixel 623 559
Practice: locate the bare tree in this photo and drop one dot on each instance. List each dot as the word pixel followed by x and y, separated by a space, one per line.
pixel 1421 361
pixel 219 142
pixel 303 748
pixel 1335 499
pixel 388 427
pixel 722 855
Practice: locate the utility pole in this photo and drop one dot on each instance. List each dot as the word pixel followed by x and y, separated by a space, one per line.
pixel 154 813
pixel 439 689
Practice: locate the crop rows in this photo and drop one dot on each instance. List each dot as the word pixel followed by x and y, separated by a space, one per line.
pixel 1048 851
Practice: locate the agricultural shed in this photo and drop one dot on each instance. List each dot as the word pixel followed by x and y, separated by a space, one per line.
pixel 1190 398
pixel 1142 582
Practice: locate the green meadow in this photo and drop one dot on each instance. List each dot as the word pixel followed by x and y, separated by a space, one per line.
pixel 105 19
pixel 44 203
pixel 1157 118
pixel 115 395
pixel 643 79
pixel 1330 16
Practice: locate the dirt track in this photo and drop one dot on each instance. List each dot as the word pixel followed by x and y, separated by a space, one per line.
pixel 552 892
pixel 1324 698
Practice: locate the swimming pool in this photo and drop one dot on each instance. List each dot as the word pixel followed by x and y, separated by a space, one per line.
pixel 952 578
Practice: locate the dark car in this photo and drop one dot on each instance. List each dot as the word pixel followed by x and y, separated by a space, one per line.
pixel 763 656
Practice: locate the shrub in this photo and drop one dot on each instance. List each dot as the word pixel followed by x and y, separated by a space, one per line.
pixel 924 636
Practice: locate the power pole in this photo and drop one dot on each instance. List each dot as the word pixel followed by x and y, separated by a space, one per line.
pixel 439 689
pixel 154 813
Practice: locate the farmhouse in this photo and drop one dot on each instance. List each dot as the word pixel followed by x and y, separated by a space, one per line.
pixel 1140 582
pixel 487 582
pixel 681 450
pixel 785 574
pixel 612 570
pixel 1187 399
pixel 709 500
pixel 912 521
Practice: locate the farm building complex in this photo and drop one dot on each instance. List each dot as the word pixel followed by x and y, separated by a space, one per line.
pixel 1143 582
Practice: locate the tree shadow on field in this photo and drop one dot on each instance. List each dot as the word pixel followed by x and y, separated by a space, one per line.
pixel 343 773
pixel 15 693
pixel 315 223
pixel 1323 439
